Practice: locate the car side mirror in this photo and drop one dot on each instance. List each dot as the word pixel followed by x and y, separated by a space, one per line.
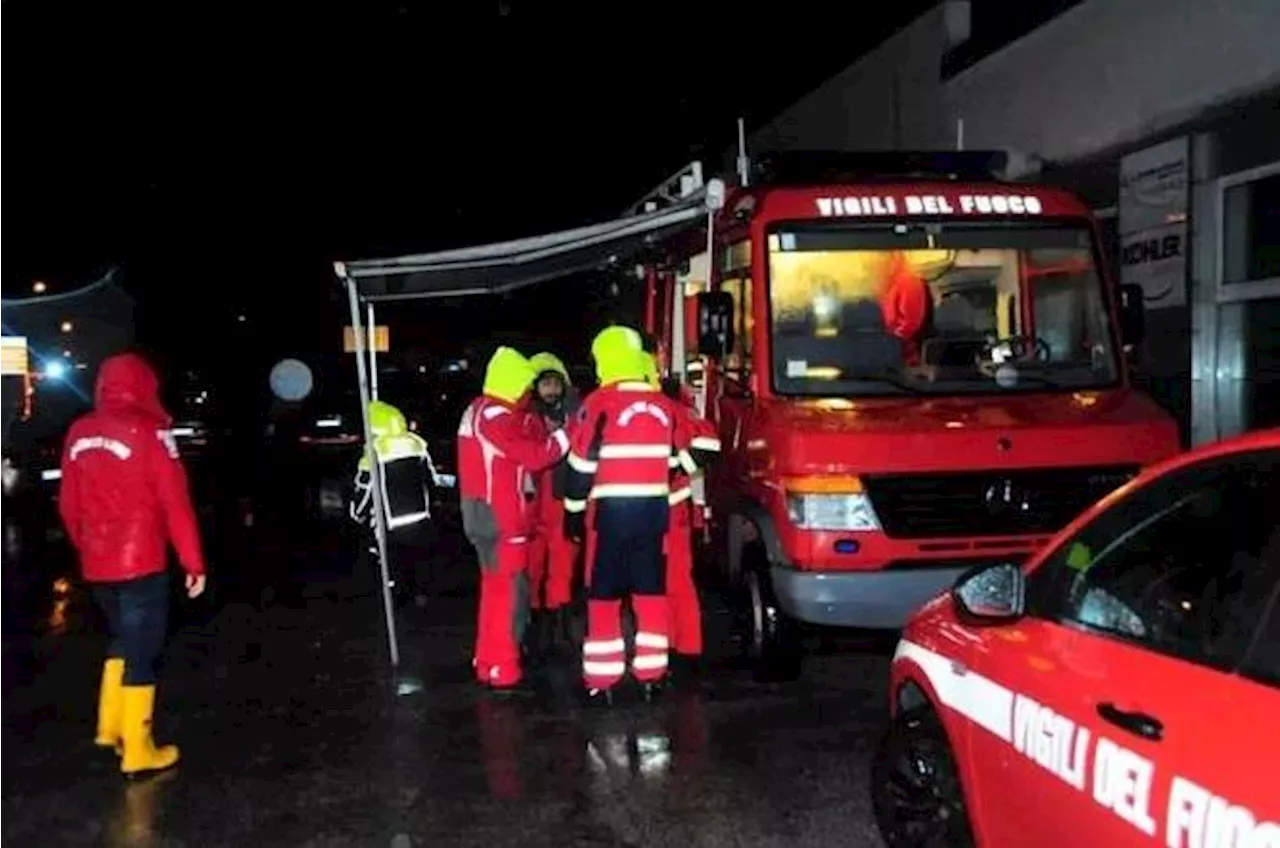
pixel 715 323
pixel 1133 320
pixel 991 594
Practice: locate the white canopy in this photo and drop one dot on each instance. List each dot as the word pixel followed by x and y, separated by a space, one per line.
pixel 508 265
pixel 498 268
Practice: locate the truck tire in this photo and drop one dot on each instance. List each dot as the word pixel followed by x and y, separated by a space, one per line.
pixel 772 639
pixel 915 786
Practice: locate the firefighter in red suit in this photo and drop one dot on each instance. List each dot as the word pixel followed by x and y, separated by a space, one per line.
pixel 907 305
pixel 624 436
pixel 124 500
pixel 497 451
pixel 553 555
pixel 682 591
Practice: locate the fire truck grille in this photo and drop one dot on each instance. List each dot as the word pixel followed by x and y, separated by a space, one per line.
pixel 989 503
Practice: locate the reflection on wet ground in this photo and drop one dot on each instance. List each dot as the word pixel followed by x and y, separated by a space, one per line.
pixel 294 733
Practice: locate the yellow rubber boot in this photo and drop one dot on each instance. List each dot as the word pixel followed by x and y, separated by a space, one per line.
pixel 140 752
pixel 110 704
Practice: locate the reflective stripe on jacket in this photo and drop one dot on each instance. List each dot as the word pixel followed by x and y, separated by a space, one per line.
pixel 496 452
pixel 622 440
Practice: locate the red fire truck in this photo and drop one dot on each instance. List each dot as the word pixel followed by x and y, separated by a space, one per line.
pixel 914 366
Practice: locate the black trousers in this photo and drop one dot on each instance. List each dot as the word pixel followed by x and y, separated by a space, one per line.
pixel 629 534
pixel 137 612
pixel 409 549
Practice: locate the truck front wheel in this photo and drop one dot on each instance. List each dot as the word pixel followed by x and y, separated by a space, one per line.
pixel 772 639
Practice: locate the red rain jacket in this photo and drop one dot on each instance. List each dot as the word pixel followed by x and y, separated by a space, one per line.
pixel 498 448
pixel 905 303
pixel 124 495
pixel 626 434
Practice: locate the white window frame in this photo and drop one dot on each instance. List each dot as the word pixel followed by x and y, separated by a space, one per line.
pixel 1255 289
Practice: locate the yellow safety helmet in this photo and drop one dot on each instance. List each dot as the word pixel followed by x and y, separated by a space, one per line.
pixel 508 375
pixel 386 420
pixel 546 361
pixel 614 350
pixel 651 374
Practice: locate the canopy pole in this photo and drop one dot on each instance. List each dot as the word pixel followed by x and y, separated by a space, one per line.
pixel 714 201
pixel 380 519
pixel 373 352
pixel 675 320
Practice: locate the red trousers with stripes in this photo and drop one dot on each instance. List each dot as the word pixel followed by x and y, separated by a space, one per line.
pixel 682 593
pixel 552 556
pixel 620 567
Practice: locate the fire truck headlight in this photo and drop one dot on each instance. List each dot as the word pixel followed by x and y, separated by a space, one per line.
pixel 831 511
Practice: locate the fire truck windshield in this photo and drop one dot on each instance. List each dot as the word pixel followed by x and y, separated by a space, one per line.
pixel 937 309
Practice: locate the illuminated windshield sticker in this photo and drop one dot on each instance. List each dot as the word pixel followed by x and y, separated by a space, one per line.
pixel 1120 780
pixel 877 205
pixel 1079 557
pixel 797 369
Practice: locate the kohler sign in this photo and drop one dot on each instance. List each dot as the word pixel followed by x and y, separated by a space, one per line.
pixel 1153 222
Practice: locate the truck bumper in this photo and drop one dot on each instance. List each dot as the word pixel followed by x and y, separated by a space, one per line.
pixel 873 599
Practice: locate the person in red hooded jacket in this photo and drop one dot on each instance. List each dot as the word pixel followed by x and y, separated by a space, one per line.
pixel 124 500
pixel 497 452
pixel 907 305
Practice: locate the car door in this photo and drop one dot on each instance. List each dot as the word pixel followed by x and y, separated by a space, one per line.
pixel 729 404
pixel 1141 694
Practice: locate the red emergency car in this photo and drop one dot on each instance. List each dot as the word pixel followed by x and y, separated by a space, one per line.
pixel 1121 688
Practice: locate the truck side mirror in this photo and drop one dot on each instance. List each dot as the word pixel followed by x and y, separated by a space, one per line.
pixel 1133 322
pixel 715 323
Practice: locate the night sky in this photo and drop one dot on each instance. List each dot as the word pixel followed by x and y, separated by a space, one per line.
pixel 222 157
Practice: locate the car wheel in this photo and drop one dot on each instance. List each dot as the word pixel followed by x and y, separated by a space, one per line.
pixel 772 639
pixel 915 786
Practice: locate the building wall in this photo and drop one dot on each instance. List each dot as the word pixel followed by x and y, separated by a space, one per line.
pixel 890 99
pixel 1111 72
pixel 1103 74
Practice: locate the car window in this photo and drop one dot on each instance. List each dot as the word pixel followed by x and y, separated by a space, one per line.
pixel 1262 658
pixel 1186 566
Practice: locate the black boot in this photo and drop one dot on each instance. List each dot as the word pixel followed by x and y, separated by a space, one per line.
pixel 686 669
pixel 598 697
pixel 651 690
pixel 544 631
pixel 530 644
pixel 519 692
pixel 559 631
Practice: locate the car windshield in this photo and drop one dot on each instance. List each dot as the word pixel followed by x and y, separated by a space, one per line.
pixel 937 308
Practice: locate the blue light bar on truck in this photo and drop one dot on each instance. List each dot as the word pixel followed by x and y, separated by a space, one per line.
pixel 817 167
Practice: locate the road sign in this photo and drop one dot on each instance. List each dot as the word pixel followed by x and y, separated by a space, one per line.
pixel 13 356
pixel 381 339
pixel 291 380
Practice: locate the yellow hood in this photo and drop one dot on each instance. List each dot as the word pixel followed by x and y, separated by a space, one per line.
pixel 386 420
pixel 615 351
pixel 546 361
pixel 508 375
pixel 651 375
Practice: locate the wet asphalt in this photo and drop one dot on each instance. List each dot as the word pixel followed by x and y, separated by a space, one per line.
pixel 295 732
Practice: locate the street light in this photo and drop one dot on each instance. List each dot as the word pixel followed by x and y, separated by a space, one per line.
pixel 66 326
pixel 39 287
